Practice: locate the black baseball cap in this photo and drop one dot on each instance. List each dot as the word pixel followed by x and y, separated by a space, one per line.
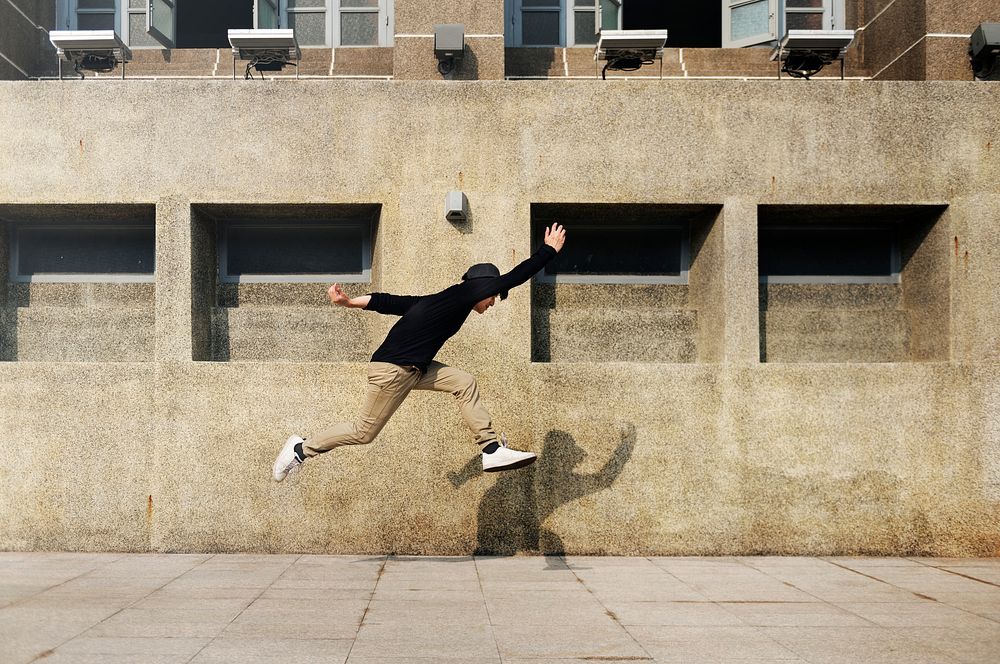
pixel 484 271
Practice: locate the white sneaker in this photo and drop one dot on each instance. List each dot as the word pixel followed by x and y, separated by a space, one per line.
pixel 504 458
pixel 286 461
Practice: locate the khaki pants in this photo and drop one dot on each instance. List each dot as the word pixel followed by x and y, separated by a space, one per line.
pixel 388 385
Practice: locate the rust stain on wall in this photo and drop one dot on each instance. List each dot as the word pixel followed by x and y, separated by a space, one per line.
pixel 149 511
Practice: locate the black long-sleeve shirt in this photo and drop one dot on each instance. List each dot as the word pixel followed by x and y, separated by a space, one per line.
pixel 427 321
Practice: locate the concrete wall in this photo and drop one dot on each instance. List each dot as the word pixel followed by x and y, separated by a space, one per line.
pixel 921 39
pixel 25 50
pixel 707 451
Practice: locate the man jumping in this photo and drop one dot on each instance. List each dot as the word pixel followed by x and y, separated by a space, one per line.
pixel 405 360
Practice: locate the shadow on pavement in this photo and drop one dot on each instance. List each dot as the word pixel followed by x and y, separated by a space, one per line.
pixel 512 511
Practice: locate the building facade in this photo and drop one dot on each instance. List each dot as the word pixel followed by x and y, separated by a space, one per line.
pixel 773 329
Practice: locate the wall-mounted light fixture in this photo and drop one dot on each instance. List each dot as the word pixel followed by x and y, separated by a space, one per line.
pixel 984 50
pixel 456 207
pixel 449 46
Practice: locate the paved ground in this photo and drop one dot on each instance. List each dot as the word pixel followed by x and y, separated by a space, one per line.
pixel 61 607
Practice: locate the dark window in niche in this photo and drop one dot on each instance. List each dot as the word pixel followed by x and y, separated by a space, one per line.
pixel 853 283
pixel 96 250
pixel 77 282
pixel 319 248
pixel 627 250
pixel 261 273
pixel 294 243
pixel 829 253
pixel 615 244
pixel 80 243
pixel 635 282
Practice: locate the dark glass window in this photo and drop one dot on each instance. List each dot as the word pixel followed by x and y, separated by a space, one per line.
pixel 640 250
pixel 85 250
pixel 256 249
pixel 861 252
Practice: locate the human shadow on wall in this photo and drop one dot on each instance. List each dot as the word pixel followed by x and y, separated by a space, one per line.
pixel 512 511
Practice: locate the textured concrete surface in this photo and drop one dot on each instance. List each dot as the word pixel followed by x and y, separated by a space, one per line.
pixel 919 39
pixel 892 41
pixel 718 453
pixel 414 59
pixel 348 61
pixel 579 323
pixel 24 39
pixel 81 608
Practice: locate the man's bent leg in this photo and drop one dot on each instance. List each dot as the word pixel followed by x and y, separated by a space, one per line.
pixel 462 385
pixel 388 385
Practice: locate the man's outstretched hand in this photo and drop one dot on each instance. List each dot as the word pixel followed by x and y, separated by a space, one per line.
pixel 338 296
pixel 555 236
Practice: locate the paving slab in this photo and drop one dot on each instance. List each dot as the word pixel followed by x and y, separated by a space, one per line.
pixel 964 644
pixel 274 651
pixel 429 612
pixel 796 614
pixel 710 644
pixel 609 642
pixel 912 614
pixel 137 648
pixel 382 642
pixel 361 659
pixel 872 645
pixel 990 575
pixel 549 609
pixel 58 657
pixel 205 608
pixel 672 613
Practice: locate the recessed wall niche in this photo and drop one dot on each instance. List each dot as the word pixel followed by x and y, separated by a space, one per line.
pixel 637 283
pixel 853 283
pixel 77 282
pixel 260 275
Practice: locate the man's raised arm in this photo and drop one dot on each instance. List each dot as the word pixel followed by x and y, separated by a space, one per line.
pixel 383 303
pixel 555 237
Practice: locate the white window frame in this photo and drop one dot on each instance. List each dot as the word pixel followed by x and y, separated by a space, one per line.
pixel 513 35
pixel 125 23
pixel 572 11
pixel 833 15
pixel 895 259
pixel 544 277
pixel 75 277
pixel 67 15
pixel 333 9
pixel 834 18
pixel 514 9
pixel 349 278
pixel 760 38
pixel 386 27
